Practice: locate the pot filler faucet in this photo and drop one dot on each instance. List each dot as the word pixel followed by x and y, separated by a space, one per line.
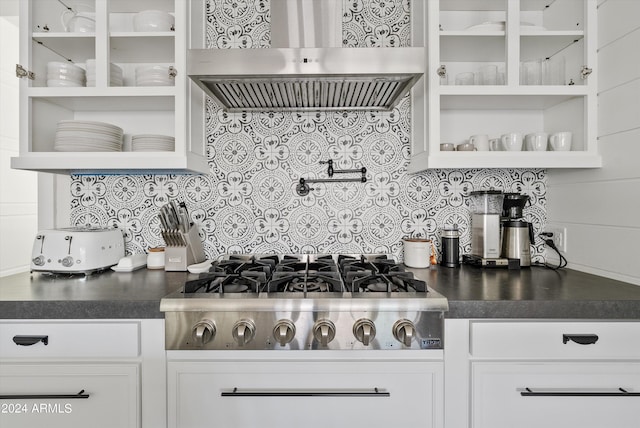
pixel 303 188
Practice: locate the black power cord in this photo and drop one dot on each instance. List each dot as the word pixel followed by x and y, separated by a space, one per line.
pixel 546 237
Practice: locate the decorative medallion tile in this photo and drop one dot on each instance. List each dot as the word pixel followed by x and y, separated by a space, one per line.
pixel 248 201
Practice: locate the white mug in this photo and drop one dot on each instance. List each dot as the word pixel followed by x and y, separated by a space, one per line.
pixel 494 145
pixel 480 142
pixel 511 142
pixel 536 142
pixel 560 141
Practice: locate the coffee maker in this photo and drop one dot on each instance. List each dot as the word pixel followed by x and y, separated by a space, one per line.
pixel 517 234
pixel 486 208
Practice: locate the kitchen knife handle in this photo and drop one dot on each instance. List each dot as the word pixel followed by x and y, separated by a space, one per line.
pixel 581 339
pixel 26 340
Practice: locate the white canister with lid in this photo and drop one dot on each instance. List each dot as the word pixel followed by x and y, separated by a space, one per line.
pixel 417 252
pixel 155 258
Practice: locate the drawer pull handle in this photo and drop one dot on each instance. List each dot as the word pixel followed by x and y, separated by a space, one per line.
pixel 79 395
pixel 30 340
pixel 620 392
pixel 581 339
pixel 376 392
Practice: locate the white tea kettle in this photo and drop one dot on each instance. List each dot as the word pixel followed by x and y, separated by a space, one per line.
pixel 74 21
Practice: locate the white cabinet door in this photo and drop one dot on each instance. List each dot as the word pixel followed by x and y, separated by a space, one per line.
pixel 69 396
pixel 309 394
pixel 533 395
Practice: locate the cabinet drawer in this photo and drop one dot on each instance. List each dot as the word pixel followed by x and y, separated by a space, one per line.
pixel 309 394
pixel 585 395
pixel 70 339
pixel 47 395
pixel 522 339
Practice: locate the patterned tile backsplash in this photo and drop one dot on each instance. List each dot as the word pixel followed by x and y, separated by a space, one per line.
pixel 248 203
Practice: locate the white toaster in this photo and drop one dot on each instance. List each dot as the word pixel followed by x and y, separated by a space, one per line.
pixel 76 250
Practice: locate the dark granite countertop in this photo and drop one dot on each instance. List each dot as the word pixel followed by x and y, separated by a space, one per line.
pixel 104 295
pixel 472 292
pixel 535 292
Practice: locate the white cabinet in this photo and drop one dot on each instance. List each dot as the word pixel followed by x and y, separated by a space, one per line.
pixel 78 373
pixel 311 390
pixel 160 110
pixel 495 42
pixel 532 373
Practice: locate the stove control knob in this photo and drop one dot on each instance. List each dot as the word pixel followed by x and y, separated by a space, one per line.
pixel 403 331
pixel 244 331
pixel 204 331
pixel 284 332
pixel 364 330
pixel 324 331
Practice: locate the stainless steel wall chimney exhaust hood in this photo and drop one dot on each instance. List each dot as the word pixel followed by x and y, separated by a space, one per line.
pixel 299 77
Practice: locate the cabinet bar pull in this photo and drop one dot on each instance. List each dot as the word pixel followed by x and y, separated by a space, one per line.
pixel 620 392
pixel 375 392
pixel 581 339
pixel 80 394
pixel 30 340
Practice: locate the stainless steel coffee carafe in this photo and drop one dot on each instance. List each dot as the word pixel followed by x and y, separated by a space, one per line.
pixel 517 236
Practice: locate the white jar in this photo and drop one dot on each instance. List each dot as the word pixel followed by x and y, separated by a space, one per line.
pixel 155 258
pixel 417 252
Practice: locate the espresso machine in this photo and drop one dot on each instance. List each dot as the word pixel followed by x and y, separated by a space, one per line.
pixel 517 234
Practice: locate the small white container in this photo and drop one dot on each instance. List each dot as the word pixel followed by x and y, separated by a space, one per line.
pixel 153 20
pixel 155 258
pixel 417 252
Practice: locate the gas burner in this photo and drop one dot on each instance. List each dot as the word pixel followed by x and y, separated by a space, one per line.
pixel 381 287
pixel 322 282
pixel 394 282
pixel 222 282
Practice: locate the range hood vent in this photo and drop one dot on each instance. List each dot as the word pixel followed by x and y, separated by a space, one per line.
pixel 306 71
pixel 306 78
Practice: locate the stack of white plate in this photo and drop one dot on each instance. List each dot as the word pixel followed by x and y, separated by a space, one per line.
pixel 154 75
pixel 64 74
pixel 87 136
pixel 115 74
pixel 152 143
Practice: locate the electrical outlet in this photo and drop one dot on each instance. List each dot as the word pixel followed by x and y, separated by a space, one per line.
pixel 559 237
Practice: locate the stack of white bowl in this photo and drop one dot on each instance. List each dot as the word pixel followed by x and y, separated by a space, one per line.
pixel 154 75
pixel 115 74
pixel 152 143
pixel 153 20
pixel 87 136
pixel 64 74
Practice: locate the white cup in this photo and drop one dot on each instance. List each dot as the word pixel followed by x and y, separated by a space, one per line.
pixel 494 145
pixel 511 142
pixel 560 141
pixel 536 142
pixel 417 252
pixel 480 142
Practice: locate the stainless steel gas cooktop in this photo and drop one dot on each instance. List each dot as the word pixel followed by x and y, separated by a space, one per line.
pixel 260 302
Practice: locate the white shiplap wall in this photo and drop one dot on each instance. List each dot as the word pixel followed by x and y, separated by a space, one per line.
pixel 601 207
